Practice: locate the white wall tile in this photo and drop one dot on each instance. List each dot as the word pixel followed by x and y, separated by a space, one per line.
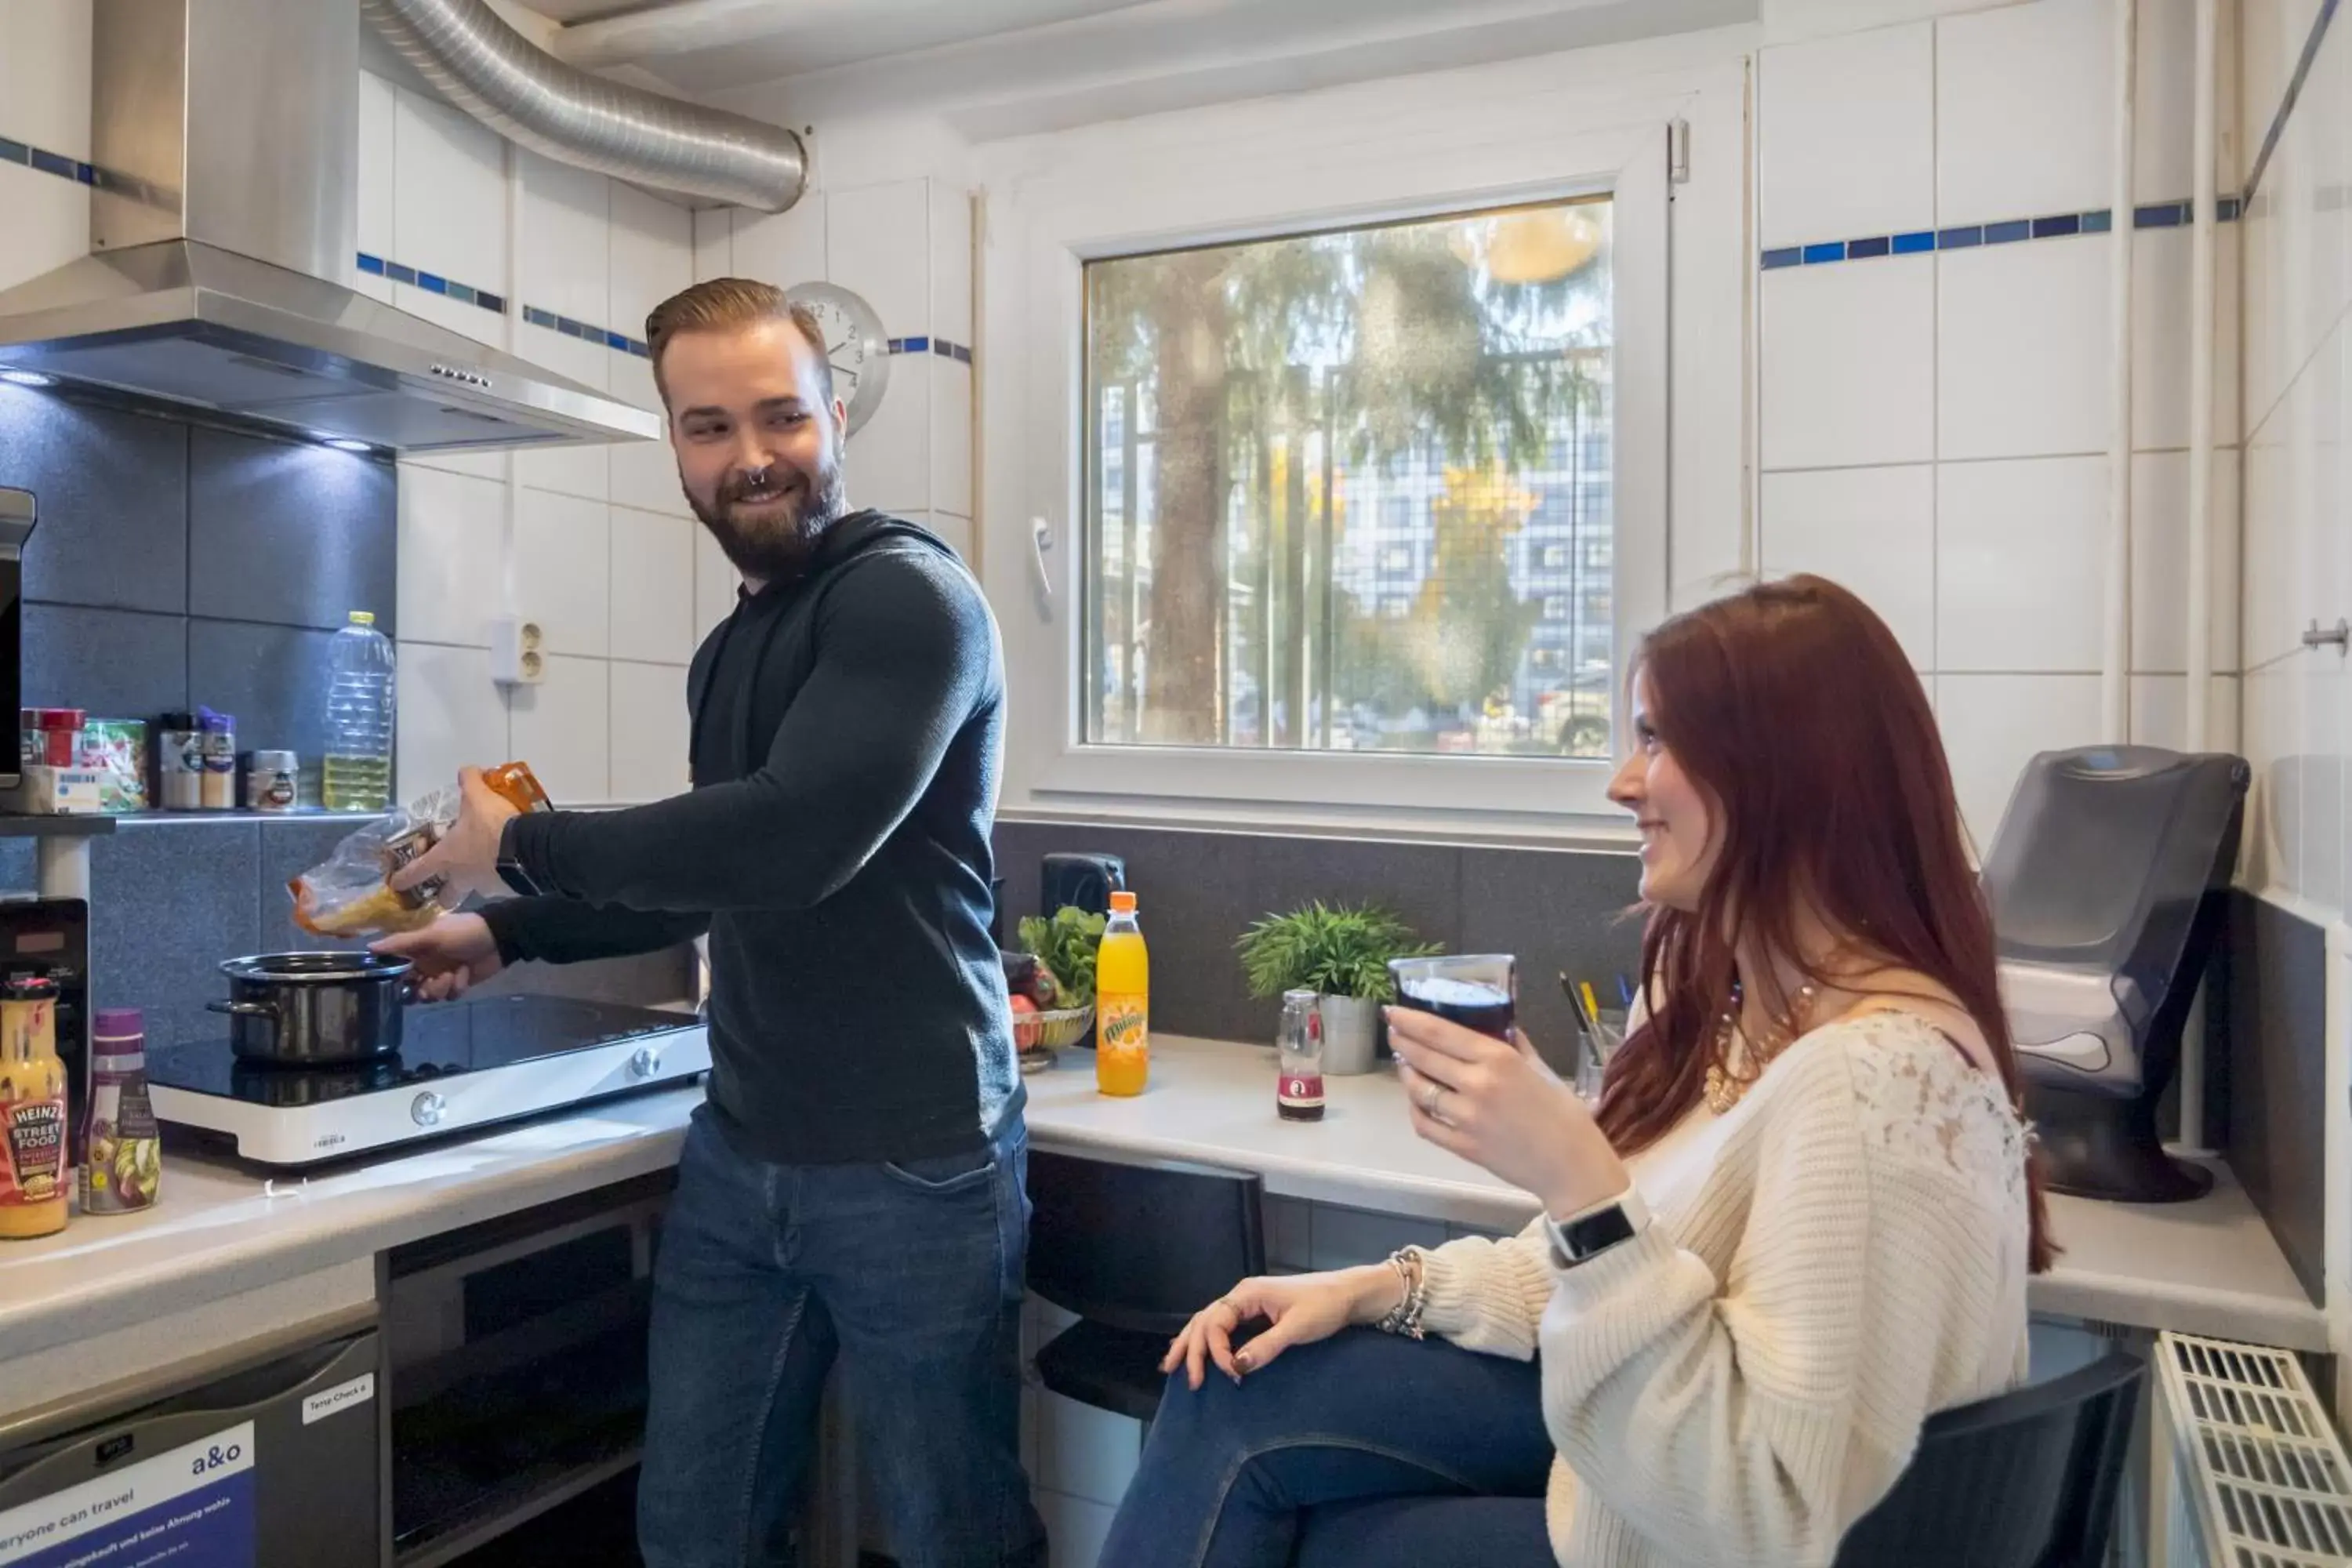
pixel 950 437
pixel 951 262
pixel 1871 530
pixel 47 223
pixel 1849 363
pixel 715 583
pixel 2319 776
pixel 784 248
pixel 2159 711
pixel 1086 1452
pixel 449 195
pixel 451 716
pixel 566 263
pixel 2161 338
pixel 1993 724
pixel 714 243
pixel 2273 592
pixel 1075 1529
pixel 888 463
pixel 379 110
pixel 481 465
pixel 44 53
pixel 1343 1237
pixel 562 728
pixel 2161 561
pixel 2268 725
pixel 451 555
pixel 1820 175
pixel 2162 166
pixel 649 732
pixel 653 587
pixel 643 474
pixel 2022 110
pixel 2271 35
pixel 957 530
pixel 878 243
pixel 562 569
pixel 579 471
pixel 2022 349
pixel 2019 548
pixel 653 256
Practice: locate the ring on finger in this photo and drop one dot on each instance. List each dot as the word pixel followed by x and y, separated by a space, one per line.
pixel 1429 1099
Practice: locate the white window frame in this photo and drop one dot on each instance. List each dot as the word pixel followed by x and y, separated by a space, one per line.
pixel 1096 193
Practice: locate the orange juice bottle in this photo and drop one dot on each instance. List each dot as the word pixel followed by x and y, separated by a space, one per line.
pixel 1122 1003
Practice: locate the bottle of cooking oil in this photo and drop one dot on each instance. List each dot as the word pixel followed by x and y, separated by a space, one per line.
pixel 357 771
pixel 1122 1003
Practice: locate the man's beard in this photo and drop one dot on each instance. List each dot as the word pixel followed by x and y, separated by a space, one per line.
pixel 776 547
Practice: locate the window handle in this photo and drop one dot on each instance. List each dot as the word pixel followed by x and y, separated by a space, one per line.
pixel 1040 540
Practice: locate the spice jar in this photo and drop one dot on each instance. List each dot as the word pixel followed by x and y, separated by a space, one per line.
pixel 179 763
pixel 61 735
pixel 33 1195
pixel 123 1169
pixel 271 781
pixel 220 760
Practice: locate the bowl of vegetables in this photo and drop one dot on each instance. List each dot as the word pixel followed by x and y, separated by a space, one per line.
pixel 1051 985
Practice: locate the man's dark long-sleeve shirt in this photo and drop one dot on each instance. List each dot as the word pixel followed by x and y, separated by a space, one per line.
pixel 848 730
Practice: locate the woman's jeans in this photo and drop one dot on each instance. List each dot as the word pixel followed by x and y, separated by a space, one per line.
pixel 1363 1451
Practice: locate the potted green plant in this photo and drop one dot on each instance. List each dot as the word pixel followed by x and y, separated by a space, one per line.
pixel 1342 953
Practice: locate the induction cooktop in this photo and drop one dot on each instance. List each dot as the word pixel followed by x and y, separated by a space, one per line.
pixel 461 1065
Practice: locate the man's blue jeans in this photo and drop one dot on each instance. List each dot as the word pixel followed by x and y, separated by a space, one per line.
pixel 911 1275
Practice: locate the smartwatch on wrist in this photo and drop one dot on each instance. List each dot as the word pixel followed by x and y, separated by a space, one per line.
pixel 1586 1235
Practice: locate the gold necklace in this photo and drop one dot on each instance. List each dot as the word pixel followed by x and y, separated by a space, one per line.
pixel 1723 1086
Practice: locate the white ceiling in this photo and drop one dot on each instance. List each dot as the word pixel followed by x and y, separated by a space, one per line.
pixel 999 67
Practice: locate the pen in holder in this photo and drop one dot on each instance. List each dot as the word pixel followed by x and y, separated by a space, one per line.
pixel 1601 1031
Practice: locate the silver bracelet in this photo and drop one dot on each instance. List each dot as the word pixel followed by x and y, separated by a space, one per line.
pixel 1404 1318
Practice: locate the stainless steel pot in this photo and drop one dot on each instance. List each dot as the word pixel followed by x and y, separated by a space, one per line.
pixel 301 1009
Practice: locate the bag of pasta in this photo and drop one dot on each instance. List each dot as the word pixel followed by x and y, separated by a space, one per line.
pixel 350 893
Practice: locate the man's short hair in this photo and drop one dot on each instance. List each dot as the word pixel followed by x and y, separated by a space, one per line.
pixel 725 302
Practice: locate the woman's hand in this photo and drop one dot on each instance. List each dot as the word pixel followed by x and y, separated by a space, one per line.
pixel 1301 1309
pixel 1497 1105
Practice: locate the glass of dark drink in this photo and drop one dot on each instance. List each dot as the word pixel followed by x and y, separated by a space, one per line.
pixel 1478 991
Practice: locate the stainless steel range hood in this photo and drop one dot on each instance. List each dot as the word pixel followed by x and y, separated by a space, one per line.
pixel 225 212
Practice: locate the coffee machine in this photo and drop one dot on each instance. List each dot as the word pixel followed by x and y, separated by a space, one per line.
pixel 2107 881
pixel 17 515
pixel 51 937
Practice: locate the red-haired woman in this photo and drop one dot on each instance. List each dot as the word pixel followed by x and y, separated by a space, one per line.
pixel 1799 1221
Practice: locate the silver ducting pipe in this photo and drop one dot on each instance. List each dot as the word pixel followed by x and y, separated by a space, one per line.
pixel 502 79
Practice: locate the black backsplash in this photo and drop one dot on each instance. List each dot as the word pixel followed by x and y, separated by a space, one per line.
pixel 1196 891
pixel 177 563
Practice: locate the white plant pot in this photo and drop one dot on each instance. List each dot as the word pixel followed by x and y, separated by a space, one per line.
pixel 1352 1033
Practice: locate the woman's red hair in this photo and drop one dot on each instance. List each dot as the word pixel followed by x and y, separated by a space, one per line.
pixel 1795 712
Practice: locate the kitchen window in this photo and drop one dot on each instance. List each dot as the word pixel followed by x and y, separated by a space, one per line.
pixel 1264 415
pixel 1305 452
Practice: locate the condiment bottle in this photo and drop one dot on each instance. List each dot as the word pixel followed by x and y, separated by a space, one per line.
pixel 220 760
pixel 1299 1091
pixel 33 1190
pixel 1122 1003
pixel 123 1169
pixel 518 786
pixel 272 780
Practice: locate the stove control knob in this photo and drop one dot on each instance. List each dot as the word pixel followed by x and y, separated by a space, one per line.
pixel 646 1062
pixel 427 1109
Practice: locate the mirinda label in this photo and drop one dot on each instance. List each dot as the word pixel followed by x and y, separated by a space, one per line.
pixel 1124 1023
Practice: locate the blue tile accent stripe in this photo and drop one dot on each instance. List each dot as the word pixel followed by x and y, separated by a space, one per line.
pixel 431 282
pixel 2311 43
pixel 1964 236
pixel 31 157
pixel 939 346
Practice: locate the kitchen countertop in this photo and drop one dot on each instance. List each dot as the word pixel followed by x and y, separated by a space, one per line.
pixel 2209 1267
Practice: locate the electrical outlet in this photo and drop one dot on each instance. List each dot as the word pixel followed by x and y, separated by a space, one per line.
pixel 515 655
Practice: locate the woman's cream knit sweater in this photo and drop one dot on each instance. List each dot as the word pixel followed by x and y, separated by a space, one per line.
pixel 1841 1255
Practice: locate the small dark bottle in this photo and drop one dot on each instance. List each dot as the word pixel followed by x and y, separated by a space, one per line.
pixel 1298 1092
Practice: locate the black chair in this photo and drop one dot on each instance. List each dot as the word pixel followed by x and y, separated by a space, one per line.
pixel 1134 1250
pixel 2025 1479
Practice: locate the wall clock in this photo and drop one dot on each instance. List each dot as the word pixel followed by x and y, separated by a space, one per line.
pixel 855 344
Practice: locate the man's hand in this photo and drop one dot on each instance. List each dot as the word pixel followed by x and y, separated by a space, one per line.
pixel 467 858
pixel 451 955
